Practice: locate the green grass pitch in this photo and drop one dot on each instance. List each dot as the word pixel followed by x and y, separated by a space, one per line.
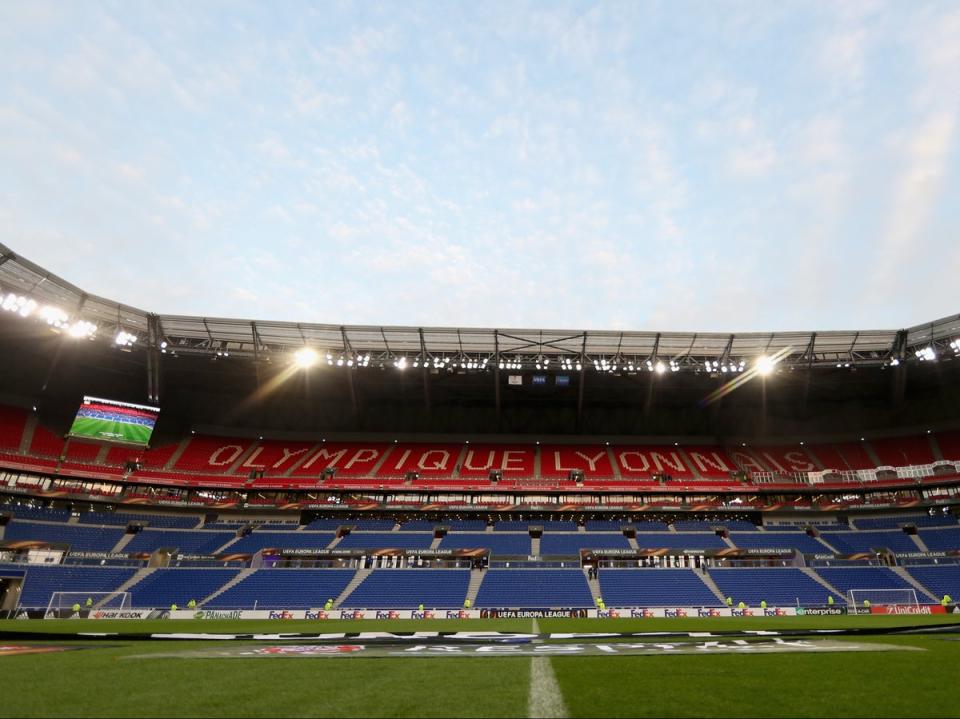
pixel 108 682
pixel 110 430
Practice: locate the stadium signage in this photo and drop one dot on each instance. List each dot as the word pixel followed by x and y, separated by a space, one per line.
pixel 908 609
pixel 527 648
pixel 128 614
pixel 685 612
pixel 820 611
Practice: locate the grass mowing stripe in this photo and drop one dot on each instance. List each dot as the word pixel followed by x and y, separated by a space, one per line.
pixel 546 699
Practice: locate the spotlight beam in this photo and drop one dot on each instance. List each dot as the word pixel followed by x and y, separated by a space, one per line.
pixel 756 370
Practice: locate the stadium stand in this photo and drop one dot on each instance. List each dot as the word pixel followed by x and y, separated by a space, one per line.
pixel 777 540
pixel 502 544
pixel 381 540
pixel 865 541
pixel 258 540
pixel 42 581
pixel 785 586
pixel 165 586
pixel 534 588
pixel 408 588
pixel 939 580
pixel 197 542
pixel 86 539
pixel 941 540
pixel 571 544
pixel 284 589
pixel 655 588
pixel 847 578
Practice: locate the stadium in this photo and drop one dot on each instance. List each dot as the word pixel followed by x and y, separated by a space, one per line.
pixel 542 359
pixel 309 480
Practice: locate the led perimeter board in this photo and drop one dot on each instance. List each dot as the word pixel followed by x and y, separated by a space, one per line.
pixel 109 421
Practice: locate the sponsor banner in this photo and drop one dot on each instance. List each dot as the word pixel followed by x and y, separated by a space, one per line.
pixel 826 611
pixel 446 651
pixel 688 612
pixel 326 614
pixel 908 609
pixel 129 614
pixel 533 613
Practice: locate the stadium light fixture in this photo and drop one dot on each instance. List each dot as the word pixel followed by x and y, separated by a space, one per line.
pixel 660 368
pixel 124 339
pixel 764 365
pixel 305 357
pixel 926 354
pixel 81 329
pixel 19 304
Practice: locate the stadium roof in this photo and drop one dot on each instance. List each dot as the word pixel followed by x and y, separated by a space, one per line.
pixel 476 346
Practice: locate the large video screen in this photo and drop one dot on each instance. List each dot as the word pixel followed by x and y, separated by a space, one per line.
pixel 109 421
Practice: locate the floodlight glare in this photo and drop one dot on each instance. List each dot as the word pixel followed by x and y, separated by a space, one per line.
pixel 81 329
pixel 764 365
pixel 305 357
pixel 660 367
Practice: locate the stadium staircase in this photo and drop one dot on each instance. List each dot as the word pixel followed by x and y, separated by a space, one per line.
pixel 729 542
pixel 336 540
pixel 632 541
pixel 922 591
pixel 177 453
pixel 354 583
pixel 810 572
pixel 435 544
pixel 921 546
pixel 2 531
pixel 223 548
pixel 243 574
pixel 827 544
pixel 712 586
pixel 123 542
pixel 594 585
pixel 476 579
pixel 73 519
pixel 535 546
pixel 138 577
pixel 28 428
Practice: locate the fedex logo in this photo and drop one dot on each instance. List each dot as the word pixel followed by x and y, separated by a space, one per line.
pixel 641 613
pixel 610 614
pixel 425 614
pixel 388 615
pixel 701 612
pixel 319 614
pixel 741 612
pixel 355 614
pixel 458 615
pixel 281 615
pixel 775 612
pixel 674 612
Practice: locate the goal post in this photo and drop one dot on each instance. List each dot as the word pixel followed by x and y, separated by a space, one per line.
pixel 62 604
pixel 860 597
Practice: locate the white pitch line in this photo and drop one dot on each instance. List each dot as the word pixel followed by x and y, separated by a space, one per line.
pixel 545 698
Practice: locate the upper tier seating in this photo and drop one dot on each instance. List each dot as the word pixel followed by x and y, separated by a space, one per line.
pixel 284 589
pixel 197 542
pixel 675 540
pixel 903 451
pixel 558 461
pixel 13 420
pixel 775 586
pixel 152 520
pixel 435 461
pixel 778 540
pixel 571 544
pixel 408 588
pixel 383 540
pixel 897 521
pixel 849 542
pixel 42 514
pixel 498 544
pixel 259 539
pixel 84 539
pixel 534 588
pixel 941 540
pixel 655 588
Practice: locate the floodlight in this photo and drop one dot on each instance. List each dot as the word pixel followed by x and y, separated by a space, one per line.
pixel 305 357
pixel 764 365
pixel 81 329
pixel 660 367
pixel 124 339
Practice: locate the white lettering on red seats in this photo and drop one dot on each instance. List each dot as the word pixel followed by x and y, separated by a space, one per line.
pixel 622 457
pixel 703 461
pixel 799 461
pixel 332 457
pixel 362 455
pixel 591 460
pixel 441 463
pixel 235 451
pixel 248 464
pixel 507 459
pixel 747 462
pixel 468 460
pixel 288 454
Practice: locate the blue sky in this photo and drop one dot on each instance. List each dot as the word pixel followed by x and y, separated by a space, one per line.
pixel 638 165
